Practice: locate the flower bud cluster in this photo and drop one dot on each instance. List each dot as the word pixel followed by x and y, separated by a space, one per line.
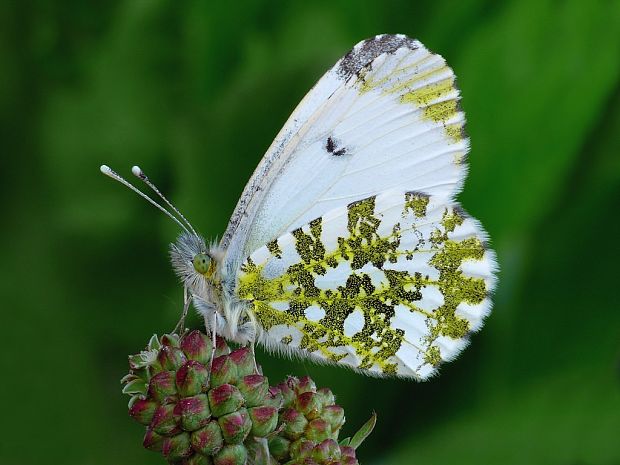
pixel 204 405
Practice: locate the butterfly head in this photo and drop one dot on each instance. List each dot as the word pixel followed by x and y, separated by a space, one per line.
pixel 195 264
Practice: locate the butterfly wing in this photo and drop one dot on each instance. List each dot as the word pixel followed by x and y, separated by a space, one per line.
pixel 358 253
pixel 385 116
pixel 392 284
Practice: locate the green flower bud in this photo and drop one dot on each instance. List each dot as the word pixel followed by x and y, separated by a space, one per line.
pixel 235 426
pixel 334 415
pixel 326 451
pixel 221 348
pixel 192 412
pixel 347 451
pixel 287 390
pixel 142 360
pixel 164 421
pixel 301 448
pixel 349 461
pixel 234 454
pixel 274 398
pixel 308 461
pixel 142 410
pixel 171 358
pixel 264 420
pixel 244 360
pixel 255 390
pixel 208 440
pixel 170 340
pixel 224 399
pixel 223 371
pixel 305 384
pixel 152 440
pixel 326 396
pixel 197 346
pixel 294 423
pixel 162 387
pixel 279 448
pixel 318 430
pixel 192 378
pixel 309 404
pixel 198 459
pixel 177 447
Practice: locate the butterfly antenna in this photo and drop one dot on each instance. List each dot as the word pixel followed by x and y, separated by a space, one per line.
pixel 137 172
pixel 112 174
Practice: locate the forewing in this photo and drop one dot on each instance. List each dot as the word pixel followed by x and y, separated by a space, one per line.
pixel 392 285
pixel 385 116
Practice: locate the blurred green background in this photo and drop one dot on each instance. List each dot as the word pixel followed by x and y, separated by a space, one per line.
pixel 194 92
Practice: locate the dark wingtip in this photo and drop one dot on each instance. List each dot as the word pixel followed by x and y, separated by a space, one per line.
pixel 368 50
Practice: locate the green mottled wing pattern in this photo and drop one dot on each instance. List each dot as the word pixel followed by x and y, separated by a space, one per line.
pixel 391 285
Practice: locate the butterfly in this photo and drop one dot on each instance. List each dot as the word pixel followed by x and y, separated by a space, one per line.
pixel 347 245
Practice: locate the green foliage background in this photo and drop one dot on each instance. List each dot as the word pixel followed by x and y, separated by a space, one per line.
pixel 194 92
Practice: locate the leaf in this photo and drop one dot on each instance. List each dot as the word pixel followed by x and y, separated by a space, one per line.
pixel 154 343
pixel 363 432
pixel 137 386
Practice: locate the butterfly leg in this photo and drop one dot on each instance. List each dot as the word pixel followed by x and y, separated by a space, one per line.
pixel 180 327
pixel 213 338
pixel 253 324
pixel 252 349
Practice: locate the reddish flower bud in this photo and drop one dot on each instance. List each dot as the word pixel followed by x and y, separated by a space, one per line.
pixel 192 412
pixel 171 358
pixel 235 426
pixel 334 415
pixel 274 397
pixel 170 340
pixel 347 451
pixel 294 423
pixel 255 390
pixel 223 371
pixel 311 461
pixel 326 397
pixel 235 454
pixel 152 440
pixel 197 346
pixel 192 378
pixel 326 451
pixel 305 385
pixel 264 420
pixel 162 387
pixel 224 399
pixel 177 447
pixel 309 404
pixel 287 389
pixel 164 421
pixel 197 459
pixel 142 410
pixel 244 360
pixel 349 461
pixel 318 430
pixel 301 448
pixel 208 440
pixel 221 348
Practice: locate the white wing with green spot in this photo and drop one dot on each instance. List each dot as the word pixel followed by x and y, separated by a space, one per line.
pixel 385 116
pixel 391 285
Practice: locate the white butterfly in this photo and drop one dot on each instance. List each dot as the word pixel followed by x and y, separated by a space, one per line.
pixel 347 245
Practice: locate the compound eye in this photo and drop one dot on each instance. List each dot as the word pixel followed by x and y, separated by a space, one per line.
pixel 201 263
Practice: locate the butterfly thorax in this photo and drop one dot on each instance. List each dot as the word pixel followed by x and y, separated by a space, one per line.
pixel 201 270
